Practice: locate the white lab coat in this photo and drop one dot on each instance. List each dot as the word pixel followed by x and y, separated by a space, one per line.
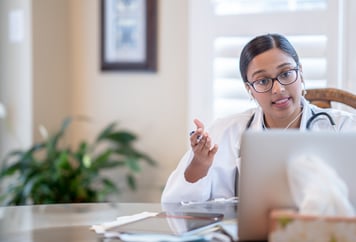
pixel 226 132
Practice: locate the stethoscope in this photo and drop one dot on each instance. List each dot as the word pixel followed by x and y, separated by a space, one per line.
pixel 307 126
pixel 315 115
pixel 309 122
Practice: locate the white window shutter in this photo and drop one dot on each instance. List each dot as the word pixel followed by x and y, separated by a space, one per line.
pixel 232 23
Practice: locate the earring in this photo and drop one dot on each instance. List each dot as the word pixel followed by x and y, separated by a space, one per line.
pixel 304 91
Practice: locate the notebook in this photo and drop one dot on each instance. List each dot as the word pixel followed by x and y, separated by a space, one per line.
pixel 263 183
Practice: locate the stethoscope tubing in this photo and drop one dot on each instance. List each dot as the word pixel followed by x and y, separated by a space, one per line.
pixel 309 122
pixel 315 115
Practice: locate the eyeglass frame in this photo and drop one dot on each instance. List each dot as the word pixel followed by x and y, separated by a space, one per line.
pixel 273 79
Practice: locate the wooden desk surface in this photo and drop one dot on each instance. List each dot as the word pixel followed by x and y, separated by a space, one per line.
pixel 71 222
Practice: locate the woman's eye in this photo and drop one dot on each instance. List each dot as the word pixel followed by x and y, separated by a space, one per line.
pixel 285 74
pixel 262 82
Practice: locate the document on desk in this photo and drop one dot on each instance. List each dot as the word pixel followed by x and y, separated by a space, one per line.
pixel 172 226
pixel 102 228
pixel 230 200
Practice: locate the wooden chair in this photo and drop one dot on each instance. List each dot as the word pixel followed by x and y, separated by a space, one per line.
pixel 323 97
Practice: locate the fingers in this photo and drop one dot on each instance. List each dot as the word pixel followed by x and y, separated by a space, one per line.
pixel 200 140
pixel 204 151
pixel 203 144
pixel 198 123
pixel 214 150
pixel 197 135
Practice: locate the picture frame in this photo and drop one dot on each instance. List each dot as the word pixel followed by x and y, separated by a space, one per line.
pixel 128 35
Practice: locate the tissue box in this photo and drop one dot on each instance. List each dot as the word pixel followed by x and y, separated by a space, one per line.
pixel 288 226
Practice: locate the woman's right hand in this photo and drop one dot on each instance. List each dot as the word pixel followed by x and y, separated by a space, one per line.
pixel 204 153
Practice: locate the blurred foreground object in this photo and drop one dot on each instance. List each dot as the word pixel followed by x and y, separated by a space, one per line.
pixel 288 226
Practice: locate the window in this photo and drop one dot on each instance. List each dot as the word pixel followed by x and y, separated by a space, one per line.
pixel 231 7
pixel 220 28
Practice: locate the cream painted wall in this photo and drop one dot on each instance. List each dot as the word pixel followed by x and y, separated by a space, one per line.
pixel 153 105
pixel 55 73
pixel 51 57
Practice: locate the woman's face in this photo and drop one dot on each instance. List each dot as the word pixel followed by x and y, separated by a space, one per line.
pixel 281 104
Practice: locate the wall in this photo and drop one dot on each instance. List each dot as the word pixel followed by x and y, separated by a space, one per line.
pixel 55 73
pixel 153 105
pixel 50 58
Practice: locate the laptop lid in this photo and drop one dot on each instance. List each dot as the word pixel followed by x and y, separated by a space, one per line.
pixel 263 183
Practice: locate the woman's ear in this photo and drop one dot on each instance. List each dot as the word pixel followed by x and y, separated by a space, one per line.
pixel 304 90
pixel 248 89
pixel 300 67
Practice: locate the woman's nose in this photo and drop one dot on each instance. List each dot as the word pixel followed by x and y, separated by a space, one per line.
pixel 277 87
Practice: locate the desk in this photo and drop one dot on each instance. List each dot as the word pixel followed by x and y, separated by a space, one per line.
pixel 71 222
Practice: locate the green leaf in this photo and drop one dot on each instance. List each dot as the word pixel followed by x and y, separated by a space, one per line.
pixel 62 162
pixel 131 181
pixel 10 170
pixel 52 142
pixel 30 184
pixel 106 132
pixel 121 137
pixel 67 121
pixel 10 155
pixel 110 164
pixel 87 161
pixel 147 158
pixel 101 159
pixel 83 149
pixel 133 164
pixel 109 185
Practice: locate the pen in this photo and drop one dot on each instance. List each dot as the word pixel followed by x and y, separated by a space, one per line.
pixel 199 137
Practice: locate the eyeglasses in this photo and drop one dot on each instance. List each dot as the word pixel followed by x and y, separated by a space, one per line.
pixel 284 78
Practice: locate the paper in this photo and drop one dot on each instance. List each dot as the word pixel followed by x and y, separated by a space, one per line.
pixel 101 228
pixel 216 200
pixel 155 237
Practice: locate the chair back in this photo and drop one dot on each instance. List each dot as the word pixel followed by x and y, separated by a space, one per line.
pixel 323 97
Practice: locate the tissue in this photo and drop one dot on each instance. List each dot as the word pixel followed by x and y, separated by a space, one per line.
pixel 316 188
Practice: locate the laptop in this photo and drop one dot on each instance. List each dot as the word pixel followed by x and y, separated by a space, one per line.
pixel 263 183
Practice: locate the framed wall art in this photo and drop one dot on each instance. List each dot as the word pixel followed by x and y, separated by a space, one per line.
pixel 129 35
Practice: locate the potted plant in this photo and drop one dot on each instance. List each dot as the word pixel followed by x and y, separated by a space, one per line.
pixel 50 172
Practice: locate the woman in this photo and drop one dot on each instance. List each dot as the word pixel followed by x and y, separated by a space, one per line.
pixel 273 76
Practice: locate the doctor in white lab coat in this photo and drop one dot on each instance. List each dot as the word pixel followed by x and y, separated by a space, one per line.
pixel 273 76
